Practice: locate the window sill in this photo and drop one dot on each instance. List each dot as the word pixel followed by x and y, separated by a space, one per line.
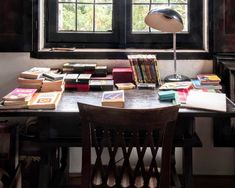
pixel 64 53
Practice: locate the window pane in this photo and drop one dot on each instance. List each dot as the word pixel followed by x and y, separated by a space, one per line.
pixel 66 1
pixel 141 1
pixel 66 17
pixel 85 1
pixel 138 15
pixel 103 1
pixel 103 18
pixel 160 1
pixel 179 1
pixel 141 9
pixel 85 17
pixel 183 11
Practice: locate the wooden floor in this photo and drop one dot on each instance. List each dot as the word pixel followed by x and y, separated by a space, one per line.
pixel 200 181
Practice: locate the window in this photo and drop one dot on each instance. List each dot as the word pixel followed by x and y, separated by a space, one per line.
pixel 119 24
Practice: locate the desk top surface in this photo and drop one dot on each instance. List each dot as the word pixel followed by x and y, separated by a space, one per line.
pixel 133 99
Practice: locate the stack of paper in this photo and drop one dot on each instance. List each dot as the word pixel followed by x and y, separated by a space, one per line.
pixel 206 100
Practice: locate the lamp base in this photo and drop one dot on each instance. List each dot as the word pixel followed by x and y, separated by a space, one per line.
pixel 176 78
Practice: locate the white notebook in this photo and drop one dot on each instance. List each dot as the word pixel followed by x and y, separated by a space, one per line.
pixel 206 100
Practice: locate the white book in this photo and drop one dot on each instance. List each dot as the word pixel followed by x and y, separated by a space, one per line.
pixel 206 100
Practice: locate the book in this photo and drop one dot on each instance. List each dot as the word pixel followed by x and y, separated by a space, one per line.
pixel 57 85
pixel 208 79
pixel 167 95
pixel 146 85
pixel 13 106
pixel 101 85
pixel 22 94
pixel 101 70
pixel 53 76
pixel 84 78
pixel 176 85
pixel 125 86
pixel 113 98
pixel 30 83
pixel 206 100
pixel 45 100
pixel 197 85
pixel 108 77
pixel 34 72
pixel 71 78
pixel 122 75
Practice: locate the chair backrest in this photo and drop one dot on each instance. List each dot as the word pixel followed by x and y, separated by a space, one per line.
pixel 122 132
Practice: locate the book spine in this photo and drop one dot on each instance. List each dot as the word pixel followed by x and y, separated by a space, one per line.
pixel 139 61
pixel 151 69
pixel 133 69
pixel 147 68
pixel 135 61
pixel 158 77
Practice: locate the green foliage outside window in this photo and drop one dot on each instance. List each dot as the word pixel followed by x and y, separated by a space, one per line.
pixel 87 16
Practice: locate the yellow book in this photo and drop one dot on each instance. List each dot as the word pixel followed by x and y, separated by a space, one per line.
pixel 45 100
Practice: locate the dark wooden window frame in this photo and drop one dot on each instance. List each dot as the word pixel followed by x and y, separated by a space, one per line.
pixel 124 39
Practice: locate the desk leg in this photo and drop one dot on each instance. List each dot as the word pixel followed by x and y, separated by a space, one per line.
pixel 44 170
pixel 187 166
pixel 187 153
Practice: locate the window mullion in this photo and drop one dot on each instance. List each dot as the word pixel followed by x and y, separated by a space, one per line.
pixel 120 21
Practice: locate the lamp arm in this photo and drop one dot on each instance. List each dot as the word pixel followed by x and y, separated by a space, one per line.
pixel 174 48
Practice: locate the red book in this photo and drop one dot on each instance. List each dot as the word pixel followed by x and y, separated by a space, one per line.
pixel 79 87
pixel 122 75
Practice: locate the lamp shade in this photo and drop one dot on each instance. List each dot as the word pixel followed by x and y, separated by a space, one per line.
pixel 164 20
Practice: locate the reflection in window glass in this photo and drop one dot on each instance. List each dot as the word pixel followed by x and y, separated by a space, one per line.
pixel 142 7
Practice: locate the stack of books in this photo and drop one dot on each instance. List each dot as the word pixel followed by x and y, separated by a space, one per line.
pixel 71 81
pixel 176 85
pixel 80 75
pixel 100 83
pixel 181 88
pixel 17 98
pixel 32 78
pixel 79 68
pixel 207 81
pixel 20 98
pixel 41 78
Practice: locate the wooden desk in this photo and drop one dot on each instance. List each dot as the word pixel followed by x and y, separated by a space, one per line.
pixel 68 112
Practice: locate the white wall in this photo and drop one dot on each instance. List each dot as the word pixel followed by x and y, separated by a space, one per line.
pixel 206 160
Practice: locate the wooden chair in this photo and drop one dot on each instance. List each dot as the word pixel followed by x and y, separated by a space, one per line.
pixel 121 132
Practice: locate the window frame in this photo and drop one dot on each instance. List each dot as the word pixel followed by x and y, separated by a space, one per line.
pixel 41 49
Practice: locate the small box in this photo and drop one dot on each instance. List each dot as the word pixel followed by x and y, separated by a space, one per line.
pixel 122 75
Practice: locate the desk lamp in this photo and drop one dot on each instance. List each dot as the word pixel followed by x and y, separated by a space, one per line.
pixel 167 20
